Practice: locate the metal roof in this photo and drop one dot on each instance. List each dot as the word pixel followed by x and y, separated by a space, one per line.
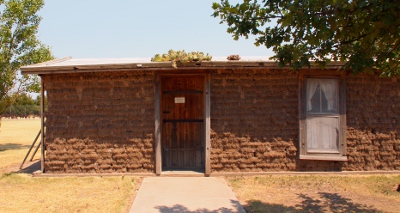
pixel 71 65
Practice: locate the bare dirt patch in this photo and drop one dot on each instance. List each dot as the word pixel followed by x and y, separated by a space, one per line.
pixel 318 193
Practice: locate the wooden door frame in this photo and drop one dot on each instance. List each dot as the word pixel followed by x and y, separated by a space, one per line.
pixel 158 125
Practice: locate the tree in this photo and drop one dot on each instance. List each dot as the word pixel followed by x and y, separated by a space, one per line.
pixel 19 46
pixel 25 99
pixel 363 34
pixel 24 105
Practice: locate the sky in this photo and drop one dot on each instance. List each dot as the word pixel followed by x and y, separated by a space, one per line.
pixel 137 29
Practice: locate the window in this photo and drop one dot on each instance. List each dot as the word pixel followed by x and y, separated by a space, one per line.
pixel 322 124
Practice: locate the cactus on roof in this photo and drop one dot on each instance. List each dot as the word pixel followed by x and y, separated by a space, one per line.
pixel 181 56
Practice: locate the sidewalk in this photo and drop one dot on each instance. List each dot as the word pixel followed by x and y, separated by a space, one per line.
pixel 185 194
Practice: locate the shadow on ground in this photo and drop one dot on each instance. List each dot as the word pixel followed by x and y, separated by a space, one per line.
pixel 327 202
pixel 30 167
pixel 181 208
pixel 8 146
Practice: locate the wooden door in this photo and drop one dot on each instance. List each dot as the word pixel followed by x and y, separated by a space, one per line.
pixel 182 113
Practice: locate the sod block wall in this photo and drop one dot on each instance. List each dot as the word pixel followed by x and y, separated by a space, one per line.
pixel 255 123
pixel 104 122
pixel 373 123
pixel 99 122
pixel 254 120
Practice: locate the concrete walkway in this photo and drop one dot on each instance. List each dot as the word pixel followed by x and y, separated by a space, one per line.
pixel 185 194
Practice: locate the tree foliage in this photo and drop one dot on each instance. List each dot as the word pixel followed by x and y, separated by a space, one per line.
pixel 364 34
pixel 23 105
pixel 19 46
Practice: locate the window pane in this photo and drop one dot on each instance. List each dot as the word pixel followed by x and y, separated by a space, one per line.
pixel 322 134
pixel 322 95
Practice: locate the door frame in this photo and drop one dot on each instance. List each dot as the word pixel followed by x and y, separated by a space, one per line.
pixel 158 121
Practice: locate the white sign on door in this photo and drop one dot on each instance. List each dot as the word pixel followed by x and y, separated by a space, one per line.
pixel 179 100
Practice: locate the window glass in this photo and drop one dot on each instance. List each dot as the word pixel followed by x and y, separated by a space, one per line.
pixel 323 120
pixel 322 134
pixel 322 95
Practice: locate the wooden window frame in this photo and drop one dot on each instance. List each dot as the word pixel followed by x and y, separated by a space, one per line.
pixel 304 154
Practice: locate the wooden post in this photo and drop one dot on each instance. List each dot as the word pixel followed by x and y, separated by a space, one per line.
pixel 30 149
pixel 157 136
pixel 42 123
pixel 36 149
pixel 207 127
pixel 342 116
pixel 302 116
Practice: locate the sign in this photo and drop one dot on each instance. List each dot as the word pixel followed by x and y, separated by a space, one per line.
pixel 179 100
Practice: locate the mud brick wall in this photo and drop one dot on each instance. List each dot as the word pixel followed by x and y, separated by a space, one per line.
pixel 99 122
pixel 373 123
pixel 254 120
pixel 254 123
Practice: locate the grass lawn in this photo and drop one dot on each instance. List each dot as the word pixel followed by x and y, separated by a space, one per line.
pixel 22 193
pixel 16 136
pixel 318 193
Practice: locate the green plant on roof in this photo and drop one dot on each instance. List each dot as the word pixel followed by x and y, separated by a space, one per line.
pixel 181 56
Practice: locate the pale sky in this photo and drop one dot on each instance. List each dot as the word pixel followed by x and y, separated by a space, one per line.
pixel 137 29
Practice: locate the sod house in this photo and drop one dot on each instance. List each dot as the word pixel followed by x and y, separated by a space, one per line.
pixel 136 116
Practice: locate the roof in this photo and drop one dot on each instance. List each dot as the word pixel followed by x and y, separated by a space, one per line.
pixel 71 65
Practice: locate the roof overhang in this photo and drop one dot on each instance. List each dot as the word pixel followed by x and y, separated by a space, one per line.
pixel 69 65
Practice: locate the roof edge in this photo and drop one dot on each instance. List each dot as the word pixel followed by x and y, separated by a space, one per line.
pixel 50 67
pixel 47 63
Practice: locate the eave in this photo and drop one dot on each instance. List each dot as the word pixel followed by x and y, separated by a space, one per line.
pixel 62 66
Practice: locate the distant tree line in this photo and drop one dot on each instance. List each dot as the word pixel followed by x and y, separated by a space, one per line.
pixel 23 106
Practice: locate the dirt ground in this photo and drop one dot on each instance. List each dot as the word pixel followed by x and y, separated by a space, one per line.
pixel 318 193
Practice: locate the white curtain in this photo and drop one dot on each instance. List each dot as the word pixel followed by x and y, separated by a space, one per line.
pixel 312 84
pixel 328 86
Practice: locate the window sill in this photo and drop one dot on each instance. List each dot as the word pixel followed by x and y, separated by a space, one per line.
pixel 324 158
pixel 326 151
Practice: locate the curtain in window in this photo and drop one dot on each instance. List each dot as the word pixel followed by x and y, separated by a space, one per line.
pixel 312 85
pixel 328 86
